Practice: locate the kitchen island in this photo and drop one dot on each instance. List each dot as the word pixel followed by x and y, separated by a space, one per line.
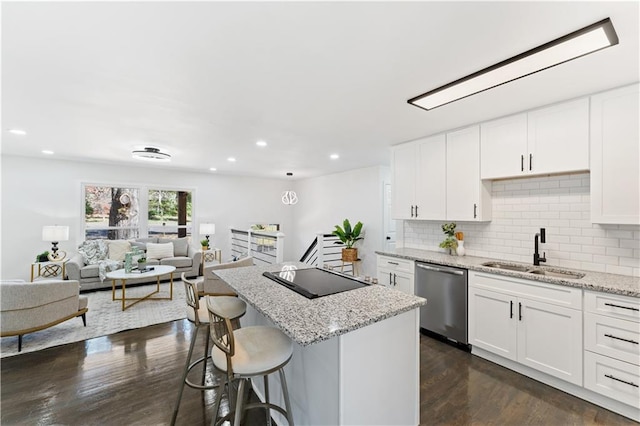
pixel 356 356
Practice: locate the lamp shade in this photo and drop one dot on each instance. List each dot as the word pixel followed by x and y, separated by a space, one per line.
pixel 207 228
pixel 55 233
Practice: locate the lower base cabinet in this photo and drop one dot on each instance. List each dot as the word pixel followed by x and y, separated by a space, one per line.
pixel 396 273
pixel 514 325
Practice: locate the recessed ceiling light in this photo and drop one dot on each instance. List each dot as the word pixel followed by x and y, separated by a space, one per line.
pixel 150 154
pixel 231 159
pixel 334 156
pixel 213 169
pixel 17 132
pixel 579 43
pixel 46 151
pixel 261 143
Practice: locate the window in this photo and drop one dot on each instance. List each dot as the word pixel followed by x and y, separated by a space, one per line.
pixel 112 212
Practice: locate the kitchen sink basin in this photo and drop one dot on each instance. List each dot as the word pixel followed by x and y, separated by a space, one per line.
pixel 533 270
pixel 557 274
pixel 506 266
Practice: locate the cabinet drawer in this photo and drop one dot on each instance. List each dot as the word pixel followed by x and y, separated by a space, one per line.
pixel 612 337
pixel 612 378
pixel 396 264
pixel 559 295
pixel 612 305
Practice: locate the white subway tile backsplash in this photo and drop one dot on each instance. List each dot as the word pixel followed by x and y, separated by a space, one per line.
pixel 561 204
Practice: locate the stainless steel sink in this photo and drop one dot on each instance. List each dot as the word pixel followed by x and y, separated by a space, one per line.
pixel 506 266
pixel 555 273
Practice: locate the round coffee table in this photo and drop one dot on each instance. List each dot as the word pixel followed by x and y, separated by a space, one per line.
pixel 157 271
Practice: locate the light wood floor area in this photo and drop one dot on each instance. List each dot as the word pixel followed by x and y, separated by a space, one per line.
pixel 132 378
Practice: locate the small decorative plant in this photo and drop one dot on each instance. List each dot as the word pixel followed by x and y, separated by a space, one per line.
pixel 142 260
pixel 450 242
pixel 43 257
pixel 142 263
pixel 348 236
pixel 205 244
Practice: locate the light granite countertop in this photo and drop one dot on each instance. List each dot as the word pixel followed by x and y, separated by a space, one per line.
pixel 309 321
pixel 596 281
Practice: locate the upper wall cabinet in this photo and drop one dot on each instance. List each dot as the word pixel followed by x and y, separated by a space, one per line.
pixel 468 198
pixel 554 139
pixel 615 156
pixel 419 179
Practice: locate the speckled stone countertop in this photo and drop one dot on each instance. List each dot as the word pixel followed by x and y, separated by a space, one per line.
pixel 596 281
pixel 309 321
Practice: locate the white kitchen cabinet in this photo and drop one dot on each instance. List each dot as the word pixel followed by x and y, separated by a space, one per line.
pixel 612 346
pixel 396 273
pixel 419 179
pixel 467 197
pixel 553 139
pixel 615 156
pixel 523 321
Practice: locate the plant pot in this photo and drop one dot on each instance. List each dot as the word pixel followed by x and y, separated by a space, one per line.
pixel 205 248
pixel 142 266
pixel 349 254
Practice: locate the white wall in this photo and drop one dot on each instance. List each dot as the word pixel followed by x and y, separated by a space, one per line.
pixel 561 204
pixel 37 192
pixel 326 201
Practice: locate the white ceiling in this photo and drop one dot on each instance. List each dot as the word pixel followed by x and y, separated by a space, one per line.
pixel 206 80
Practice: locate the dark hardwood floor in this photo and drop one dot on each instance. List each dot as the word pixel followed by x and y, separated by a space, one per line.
pixel 132 378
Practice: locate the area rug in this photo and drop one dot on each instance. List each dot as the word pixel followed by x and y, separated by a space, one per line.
pixel 105 317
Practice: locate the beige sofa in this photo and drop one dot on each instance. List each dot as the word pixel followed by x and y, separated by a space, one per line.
pixel 212 285
pixel 28 307
pixel 186 259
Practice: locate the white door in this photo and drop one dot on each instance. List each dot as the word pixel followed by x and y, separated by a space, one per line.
pixel 550 339
pixel 389 222
pixel 504 146
pixel 492 322
pixel 558 138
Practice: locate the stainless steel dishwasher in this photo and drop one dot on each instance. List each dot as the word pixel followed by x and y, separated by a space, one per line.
pixel 445 289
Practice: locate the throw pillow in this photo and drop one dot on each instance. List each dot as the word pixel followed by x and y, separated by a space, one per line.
pixel 117 249
pixel 139 244
pixel 93 251
pixel 159 251
pixel 180 245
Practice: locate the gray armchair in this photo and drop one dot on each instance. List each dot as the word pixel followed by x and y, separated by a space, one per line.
pixel 26 307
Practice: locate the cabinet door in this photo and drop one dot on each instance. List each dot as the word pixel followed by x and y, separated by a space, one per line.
pixel 431 187
pixel 550 339
pixel 404 181
pixel 492 322
pixel 403 282
pixel 558 138
pixel 615 156
pixel 504 145
pixel 465 197
pixel 385 277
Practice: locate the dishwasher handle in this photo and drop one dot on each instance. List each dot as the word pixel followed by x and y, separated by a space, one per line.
pixel 446 271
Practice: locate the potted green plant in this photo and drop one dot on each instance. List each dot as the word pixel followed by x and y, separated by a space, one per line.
pixel 348 236
pixel 205 244
pixel 43 257
pixel 450 243
pixel 142 263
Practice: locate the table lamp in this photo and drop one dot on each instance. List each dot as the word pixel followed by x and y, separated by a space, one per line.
pixel 54 234
pixel 207 229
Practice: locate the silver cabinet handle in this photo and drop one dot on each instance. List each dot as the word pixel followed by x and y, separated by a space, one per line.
pixel 393 263
pixel 446 271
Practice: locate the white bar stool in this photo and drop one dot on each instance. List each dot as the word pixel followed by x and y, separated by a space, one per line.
pixel 198 315
pixel 246 353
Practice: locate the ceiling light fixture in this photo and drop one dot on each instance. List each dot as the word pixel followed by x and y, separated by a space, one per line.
pixel 289 197
pixel 579 43
pixel 334 156
pixel 47 152
pixel 261 143
pixel 231 159
pixel 213 169
pixel 17 132
pixel 151 154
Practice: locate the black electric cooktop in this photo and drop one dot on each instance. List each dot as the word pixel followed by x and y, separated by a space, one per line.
pixel 315 282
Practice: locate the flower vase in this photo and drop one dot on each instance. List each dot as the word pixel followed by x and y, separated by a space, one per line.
pixel 128 262
pixel 460 250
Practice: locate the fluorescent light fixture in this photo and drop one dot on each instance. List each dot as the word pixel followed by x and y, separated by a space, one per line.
pixel 334 156
pixel 46 151
pixel 151 154
pixel 231 160
pixel 17 132
pixel 213 169
pixel 579 43
pixel 261 143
